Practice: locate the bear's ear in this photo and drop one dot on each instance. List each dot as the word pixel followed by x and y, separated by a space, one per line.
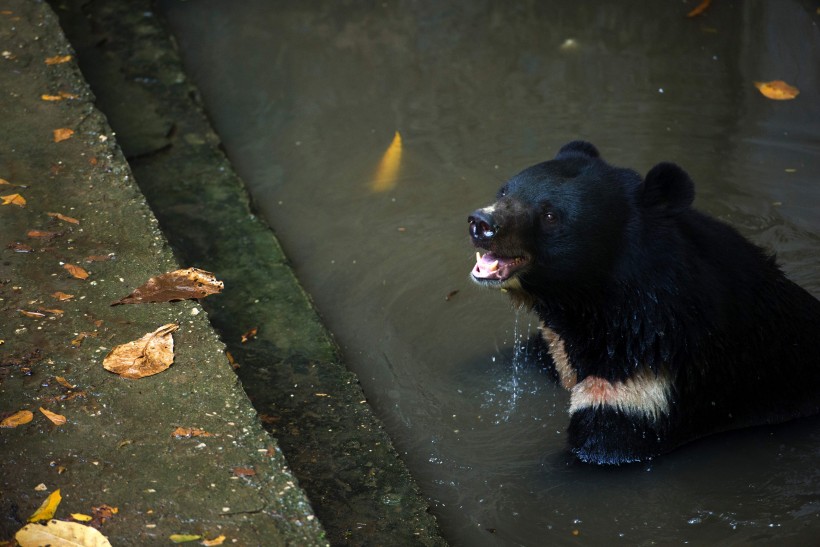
pixel 579 147
pixel 667 187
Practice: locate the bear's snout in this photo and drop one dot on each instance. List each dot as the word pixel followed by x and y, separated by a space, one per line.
pixel 482 227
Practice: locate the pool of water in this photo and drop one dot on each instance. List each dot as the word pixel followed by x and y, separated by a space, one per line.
pixel 308 97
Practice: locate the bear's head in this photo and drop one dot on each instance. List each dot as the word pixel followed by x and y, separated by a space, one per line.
pixel 571 223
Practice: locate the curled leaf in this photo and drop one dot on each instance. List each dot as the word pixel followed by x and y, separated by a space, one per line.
pixel 47 508
pixel 172 286
pixel 56 419
pixel 147 356
pixel 57 59
pixel 64 218
pixel 250 335
pixel 58 533
pixel 18 418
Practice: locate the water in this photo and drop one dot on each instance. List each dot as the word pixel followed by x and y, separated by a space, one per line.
pixel 307 97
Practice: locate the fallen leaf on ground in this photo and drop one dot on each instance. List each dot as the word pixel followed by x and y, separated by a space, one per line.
pixel 14 199
pixel 172 286
pixel 250 335
pixel 41 234
pixel 57 59
pixel 61 296
pixel 58 533
pixel 18 418
pixel 4 181
pixel 76 271
pixel 188 432
pixel 244 472
pixel 218 540
pixel 62 134
pixel 103 513
pixel 81 517
pixel 147 356
pixel 183 538
pixel 47 508
pixel 387 172
pixel 64 218
pixel 56 419
pixel 699 9
pixel 777 90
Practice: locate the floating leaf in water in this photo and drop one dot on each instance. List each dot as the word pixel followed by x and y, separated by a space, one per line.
pixel 777 90
pixel 218 540
pixel 64 218
pixel 57 59
pixel 172 286
pixel 61 296
pixel 250 335
pixel 58 533
pixel 183 538
pixel 62 134
pixel 20 417
pixel 47 508
pixel 147 356
pixel 699 9
pixel 188 432
pixel 386 174
pixel 14 199
pixel 56 419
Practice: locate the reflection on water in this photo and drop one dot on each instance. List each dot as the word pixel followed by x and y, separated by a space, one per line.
pixel 308 96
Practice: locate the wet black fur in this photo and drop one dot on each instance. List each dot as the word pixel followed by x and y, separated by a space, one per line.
pixel 631 277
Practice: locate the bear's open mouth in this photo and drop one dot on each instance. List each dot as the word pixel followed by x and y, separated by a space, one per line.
pixel 491 269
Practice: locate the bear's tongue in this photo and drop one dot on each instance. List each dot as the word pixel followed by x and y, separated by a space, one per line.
pixel 491 266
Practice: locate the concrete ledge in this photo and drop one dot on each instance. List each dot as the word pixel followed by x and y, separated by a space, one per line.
pixel 117 446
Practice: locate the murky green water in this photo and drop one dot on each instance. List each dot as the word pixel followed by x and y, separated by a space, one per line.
pixel 307 97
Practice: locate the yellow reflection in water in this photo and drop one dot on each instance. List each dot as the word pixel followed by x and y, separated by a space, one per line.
pixel 388 170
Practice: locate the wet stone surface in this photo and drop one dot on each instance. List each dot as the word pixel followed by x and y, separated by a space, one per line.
pixel 291 369
pixel 116 446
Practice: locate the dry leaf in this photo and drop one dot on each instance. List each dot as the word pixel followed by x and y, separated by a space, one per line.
pixel 61 296
pixel 41 234
pixel 777 90
pixel 387 172
pixel 57 59
pixel 188 432
pixel 56 419
pixel 4 181
pixel 64 218
pixel 18 418
pixel 103 513
pixel 48 507
pixel 58 533
pixel 63 382
pixel 18 247
pixel 47 97
pixel 34 314
pixel 183 538
pixel 14 199
pixel 250 335
pixel 81 517
pixel 76 271
pixel 147 356
pixel 172 286
pixel 700 8
pixel 244 472
pixel 77 342
pixel 218 540
pixel 62 134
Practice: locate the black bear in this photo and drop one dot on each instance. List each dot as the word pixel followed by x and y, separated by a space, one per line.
pixel 663 323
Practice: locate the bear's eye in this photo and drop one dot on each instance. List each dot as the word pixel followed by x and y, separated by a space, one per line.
pixel 551 217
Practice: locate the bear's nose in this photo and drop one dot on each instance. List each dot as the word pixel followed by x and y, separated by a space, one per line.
pixel 482 228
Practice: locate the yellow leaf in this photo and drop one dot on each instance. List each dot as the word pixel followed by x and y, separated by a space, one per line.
pixel 58 533
pixel 81 518
pixel 218 540
pixel 57 59
pixel 56 419
pixel 183 538
pixel 18 418
pixel 76 271
pixel 14 199
pixel 59 295
pixel 777 90
pixel 62 134
pixel 48 508
pixel 388 169
pixel 47 97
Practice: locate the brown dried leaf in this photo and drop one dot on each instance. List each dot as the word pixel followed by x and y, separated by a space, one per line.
pixel 14 199
pixel 188 432
pixel 218 540
pixel 58 533
pixel 172 286
pixel 57 59
pixel 244 471
pixel 777 90
pixel 62 134
pixel 33 314
pixel 64 218
pixel 76 271
pixel 56 419
pixel 20 417
pixel 61 296
pixel 18 247
pixel 63 382
pixel 699 9
pixel 250 335
pixel 147 356
pixel 41 234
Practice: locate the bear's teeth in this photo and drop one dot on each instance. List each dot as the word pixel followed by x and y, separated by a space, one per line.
pixel 494 266
pixel 477 256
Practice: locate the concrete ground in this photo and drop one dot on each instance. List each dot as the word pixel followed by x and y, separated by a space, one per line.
pixel 116 446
